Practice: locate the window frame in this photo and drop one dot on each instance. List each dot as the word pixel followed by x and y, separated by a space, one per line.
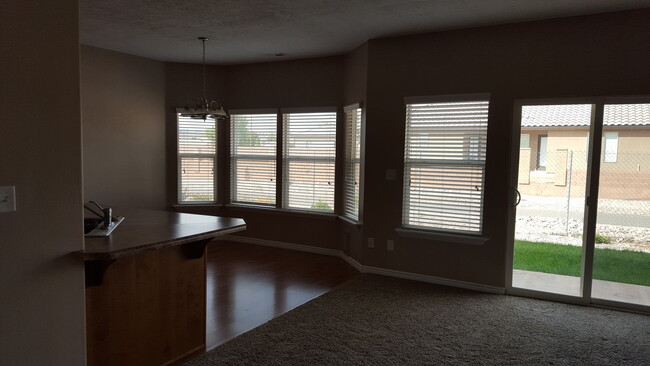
pixel 353 150
pixel 233 157
pixel 610 157
pixel 525 137
pixel 409 229
pixel 183 155
pixel 287 158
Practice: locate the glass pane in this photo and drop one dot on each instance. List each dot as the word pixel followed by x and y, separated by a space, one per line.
pixel 197 179
pixel 552 182
pixel 311 185
pixel 196 136
pixel 254 181
pixel 622 253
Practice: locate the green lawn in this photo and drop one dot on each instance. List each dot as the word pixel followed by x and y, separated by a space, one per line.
pixel 609 265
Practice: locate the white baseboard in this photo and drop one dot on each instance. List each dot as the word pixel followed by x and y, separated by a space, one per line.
pixel 434 280
pixel 367 269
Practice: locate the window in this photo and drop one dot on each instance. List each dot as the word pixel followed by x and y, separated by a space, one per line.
pixel 542 154
pixel 444 162
pixel 352 162
pixel 524 142
pixel 309 152
pixel 196 159
pixel 610 147
pixel 253 141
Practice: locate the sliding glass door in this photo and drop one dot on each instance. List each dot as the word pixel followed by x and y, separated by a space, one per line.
pixel 551 185
pixel 621 269
pixel 580 222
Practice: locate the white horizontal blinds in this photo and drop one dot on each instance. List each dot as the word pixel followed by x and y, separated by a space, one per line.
pixel 352 162
pixel 253 142
pixel 196 159
pixel 445 164
pixel 309 160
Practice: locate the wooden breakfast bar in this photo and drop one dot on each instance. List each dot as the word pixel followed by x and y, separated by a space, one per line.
pixel 145 287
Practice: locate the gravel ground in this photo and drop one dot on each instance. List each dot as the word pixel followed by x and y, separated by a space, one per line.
pixel 554 229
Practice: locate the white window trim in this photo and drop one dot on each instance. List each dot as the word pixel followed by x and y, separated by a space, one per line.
pixel 235 157
pixel 180 156
pixel 610 156
pixel 409 229
pixel 287 159
pixel 524 141
pixel 352 184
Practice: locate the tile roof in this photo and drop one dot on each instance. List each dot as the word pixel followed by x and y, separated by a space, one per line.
pixel 578 115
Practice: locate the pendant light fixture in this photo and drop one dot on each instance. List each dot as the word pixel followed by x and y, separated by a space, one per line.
pixel 202 108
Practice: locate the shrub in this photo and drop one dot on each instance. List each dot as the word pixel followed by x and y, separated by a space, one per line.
pixel 602 239
pixel 320 205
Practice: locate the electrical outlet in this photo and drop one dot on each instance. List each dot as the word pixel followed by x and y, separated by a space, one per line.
pixel 8 199
pixel 390 245
pixel 371 242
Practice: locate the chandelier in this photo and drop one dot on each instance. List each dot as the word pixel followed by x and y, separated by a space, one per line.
pixel 202 108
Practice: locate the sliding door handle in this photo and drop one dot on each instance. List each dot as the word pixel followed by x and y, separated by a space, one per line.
pixel 518 198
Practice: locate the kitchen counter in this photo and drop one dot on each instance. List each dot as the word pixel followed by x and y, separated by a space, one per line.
pixel 147 229
pixel 145 287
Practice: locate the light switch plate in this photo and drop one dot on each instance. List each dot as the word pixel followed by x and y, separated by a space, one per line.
pixel 7 199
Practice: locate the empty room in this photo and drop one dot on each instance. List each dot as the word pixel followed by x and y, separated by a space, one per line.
pixel 364 182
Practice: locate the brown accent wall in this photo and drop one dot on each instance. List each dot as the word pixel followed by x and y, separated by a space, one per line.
pixel 355 77
pixel 289 84
pixel 41 283
pixel 183 82
pixel 581 56
pixel 570 57
pixel 355 83
pixel 123 108
pixel 315 82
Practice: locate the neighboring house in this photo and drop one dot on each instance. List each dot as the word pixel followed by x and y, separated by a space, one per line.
pixel 554 145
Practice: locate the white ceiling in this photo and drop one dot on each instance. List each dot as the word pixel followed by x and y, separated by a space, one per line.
pixel 246 31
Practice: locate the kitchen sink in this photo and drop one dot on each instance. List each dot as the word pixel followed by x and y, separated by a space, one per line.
pixel 95 227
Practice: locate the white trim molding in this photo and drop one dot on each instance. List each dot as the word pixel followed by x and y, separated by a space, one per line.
pixel 367 269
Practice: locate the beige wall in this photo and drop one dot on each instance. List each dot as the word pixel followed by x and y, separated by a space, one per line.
pixel 634 140
pixel 41 283
pixel 575 140
pixel 633 148
pixel 123 108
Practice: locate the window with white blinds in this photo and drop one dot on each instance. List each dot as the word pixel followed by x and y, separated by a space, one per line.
pixel 309 153
pixel 253 142
pixel 444 165
pixel 196 159
pixel 352 161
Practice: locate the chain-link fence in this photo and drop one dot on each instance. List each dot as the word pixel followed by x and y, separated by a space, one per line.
pixel 553 186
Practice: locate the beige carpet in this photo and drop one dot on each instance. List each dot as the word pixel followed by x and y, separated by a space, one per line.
pixel 374 320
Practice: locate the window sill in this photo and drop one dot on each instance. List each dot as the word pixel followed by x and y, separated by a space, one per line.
pixel 349 221
pixel 282 211
pixel 198 205
pixel 441 236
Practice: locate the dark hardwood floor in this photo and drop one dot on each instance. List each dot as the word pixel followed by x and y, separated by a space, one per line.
pixel 248 285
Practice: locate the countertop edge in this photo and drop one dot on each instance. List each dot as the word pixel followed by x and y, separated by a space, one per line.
pixel 119 253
